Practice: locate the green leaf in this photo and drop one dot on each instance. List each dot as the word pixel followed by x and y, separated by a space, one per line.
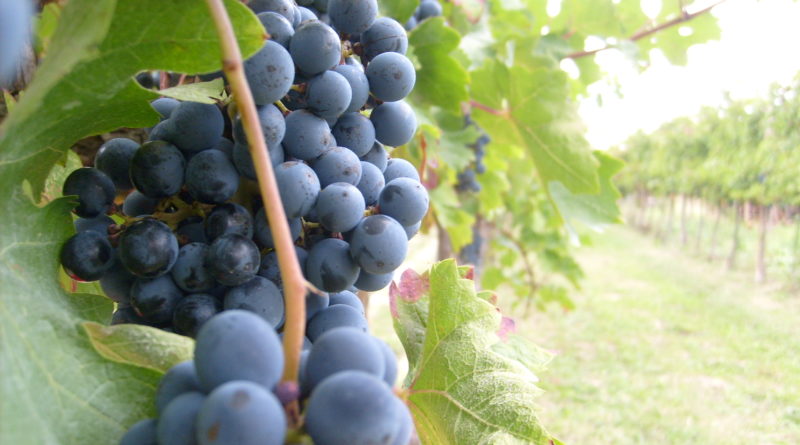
pixel 205 92
pixel 594 210
pixel 141 346
pixel 441 80
pixel 461 391
pixel 399 10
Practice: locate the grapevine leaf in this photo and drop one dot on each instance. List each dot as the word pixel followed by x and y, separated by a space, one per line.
pixel 441 80
pixel 140 345
pixel 205 92
pixel 461 390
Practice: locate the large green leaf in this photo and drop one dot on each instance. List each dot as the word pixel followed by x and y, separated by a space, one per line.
pixel 441 80
pixel 462 388
pixel 593 210
pixel 56 389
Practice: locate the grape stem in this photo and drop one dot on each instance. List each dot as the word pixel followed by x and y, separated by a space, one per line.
pixel 293 282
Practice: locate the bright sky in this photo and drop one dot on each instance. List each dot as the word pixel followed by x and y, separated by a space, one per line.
pixel 758 46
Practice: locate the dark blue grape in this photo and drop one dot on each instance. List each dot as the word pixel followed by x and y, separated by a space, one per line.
pixel 241 413
pixel 244 161
pixel 279 29
pixel 391 76
pixel 142 432
pixel 269 73
pixel 349 299
pixel 379 244
pixel 263 233
pixel 373 282
pixel 270 269
pixel 94 189
pixel 410 24
pixel 192 312
pixel 340 207
pixel 307 135
pixel 352 16
pixel 343 349
pixel 389 361
pixel 371 183
pixel 137 204
pixel 395 123
pixel 385 35
pixel 225 145
pixel 233 259
pixel 155 298
pixel 282 7
pixel 259 296
pixel 191 230
pixel 87 256
pixel 405 424
pixel 229 218
pixel 405 200
pixel 428 8
pixel 299 188
pixel 195 127
pixel 328 94
pixel 329 266
pixel 190 272
pixel 359 86
pixel 400 168
pixel 306 14
pixel 157 169
pixel 273 126
pixel 116 282
pixel 179 379
pixel 315 48
pixel 354 131
pixel 148 248
pixel 241 338
pixel 165 106
pixel 114 158
pixel 336 316
pixel 412 229
pixel 337 164
pixel 97 224
pixel 15 34
pixel 352 408
pixel 315 302
pixel 211 178
pixel 176 423
pixel 377 156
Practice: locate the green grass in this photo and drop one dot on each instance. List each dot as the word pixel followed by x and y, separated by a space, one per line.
pixel 664 348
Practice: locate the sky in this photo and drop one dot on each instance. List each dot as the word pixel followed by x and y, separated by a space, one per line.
pixel 758 46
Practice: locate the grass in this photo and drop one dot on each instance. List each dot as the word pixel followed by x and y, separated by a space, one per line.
pixel 668 349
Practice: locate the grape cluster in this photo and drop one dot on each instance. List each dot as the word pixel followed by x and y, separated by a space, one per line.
pixel 230 393
pixel 189 236
pixel 426 9
pixel 467 179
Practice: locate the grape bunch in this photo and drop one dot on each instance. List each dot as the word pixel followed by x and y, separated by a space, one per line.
pixel 426 9
pixel 467 179
pixel 230 393
pixel 174 229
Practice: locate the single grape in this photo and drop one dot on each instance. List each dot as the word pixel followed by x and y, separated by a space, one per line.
pixel 263 233
pixel 116 282
pixel 412 229
pixel 395 123
pixel 157 169
pixel 87 256
pixel 155 298
pixel 282 7
pixel 225 145
pixel 405 424
pixel 359 86
pixel 390 361
pixel 410 24
pixel 179 379
pixel 192 312
pixel 377 156
pixel 137 204
pixel 211 177
pixel 191 230
pixel 241 338
pixel 337 164
pixel 190 272
pixel 428 8
pixel 328 94
pixel 371 282
pixel 315 48
pixel 379 244
pixel 269 73
pixel 270 269
pixel 384 35
pixel 400 168
pixel 279 29
pixel 329 266
pixel 233 259
pixel 94 189
pixel 176 423
pixel 165 106
pixel 306 14
pixel 352 16
pixel 259 296
pixel 229 218
pixel 348 298
pixel 241 413
pixel 99 224
pixel 340 207
pixel 405 200
pixel 273 126
pixel 114 158
pixel 356 132
pixel 352 408
pixel 147 248
pixel 244 161
pixel 142 432
pixel 371 183
pixel 336 316
pixel 307 135
pixel 315 302
pixel 195 127
pixel 391 76
pixel 299 188
pixel 342 349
